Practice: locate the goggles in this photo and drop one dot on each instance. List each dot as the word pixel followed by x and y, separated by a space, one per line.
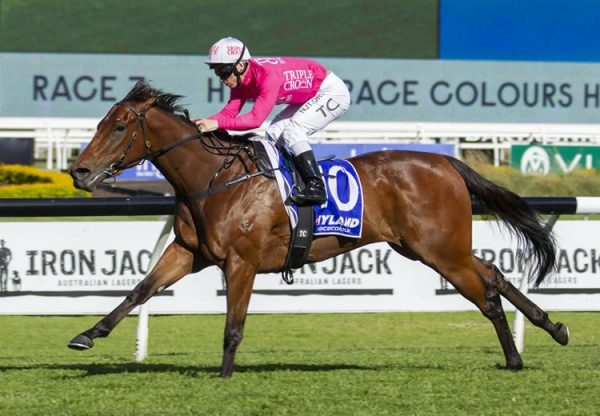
pixel 223 71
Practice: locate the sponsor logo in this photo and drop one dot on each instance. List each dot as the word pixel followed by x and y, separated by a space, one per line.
pixel 328 220
pixel 535 160
pixel 70 268
pixel 297 79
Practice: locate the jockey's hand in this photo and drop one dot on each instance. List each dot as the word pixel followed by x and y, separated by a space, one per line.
pixel 206 124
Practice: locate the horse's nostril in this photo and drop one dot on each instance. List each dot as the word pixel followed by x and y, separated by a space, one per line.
pixel 80 172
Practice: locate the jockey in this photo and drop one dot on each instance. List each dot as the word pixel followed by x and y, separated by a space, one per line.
pixel 313 96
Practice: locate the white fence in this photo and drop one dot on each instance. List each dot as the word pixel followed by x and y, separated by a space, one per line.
pixel 57 138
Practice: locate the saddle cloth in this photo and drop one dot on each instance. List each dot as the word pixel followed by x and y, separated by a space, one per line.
pixel 342 214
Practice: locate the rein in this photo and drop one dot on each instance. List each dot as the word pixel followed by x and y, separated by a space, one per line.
pixel 225 185
pixel 216 149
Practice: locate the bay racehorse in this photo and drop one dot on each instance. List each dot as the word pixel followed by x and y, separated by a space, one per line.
pixel 419 203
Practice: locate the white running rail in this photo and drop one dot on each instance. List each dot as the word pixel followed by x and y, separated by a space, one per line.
pixel 57 138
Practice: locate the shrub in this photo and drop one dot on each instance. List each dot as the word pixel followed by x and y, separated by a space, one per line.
pixel 578 183
pixel 28 182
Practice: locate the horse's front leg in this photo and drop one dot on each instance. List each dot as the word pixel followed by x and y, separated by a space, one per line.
pixel 239 277
pixel 175 263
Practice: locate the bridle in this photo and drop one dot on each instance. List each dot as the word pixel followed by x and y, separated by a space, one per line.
pixel 121 165
pixel 210 142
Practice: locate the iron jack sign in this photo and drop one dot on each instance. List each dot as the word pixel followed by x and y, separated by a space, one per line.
pixel 542 160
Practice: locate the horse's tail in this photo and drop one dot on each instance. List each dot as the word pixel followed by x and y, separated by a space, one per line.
pixel 533 236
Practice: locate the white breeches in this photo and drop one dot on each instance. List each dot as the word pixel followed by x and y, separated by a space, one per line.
pixel 296 122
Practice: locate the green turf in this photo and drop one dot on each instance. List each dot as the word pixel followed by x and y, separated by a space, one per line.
pixel 329 364
pixel 373 28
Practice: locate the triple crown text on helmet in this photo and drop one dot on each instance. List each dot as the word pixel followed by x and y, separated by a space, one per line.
pixel 227 51
pixel 233 51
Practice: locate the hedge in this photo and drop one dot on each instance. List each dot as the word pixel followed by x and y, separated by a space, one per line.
pixel 17 181
pixel 584 182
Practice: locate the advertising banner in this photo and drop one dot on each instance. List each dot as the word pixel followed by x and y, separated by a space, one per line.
pixel 543 159
pixel 87 85
pixel 89 267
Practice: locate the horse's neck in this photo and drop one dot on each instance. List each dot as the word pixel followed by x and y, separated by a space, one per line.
pixel 188 167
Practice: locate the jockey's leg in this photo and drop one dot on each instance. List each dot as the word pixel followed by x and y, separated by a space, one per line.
pixel 314 189
pixel 303 156
pixel 279 123
pixel 331 101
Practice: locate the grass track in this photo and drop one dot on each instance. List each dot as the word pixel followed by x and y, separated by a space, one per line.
pixel 317 364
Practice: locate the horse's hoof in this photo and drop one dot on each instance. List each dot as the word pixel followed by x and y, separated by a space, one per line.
pixel 562 334
pixel 81 342
pixel 514 365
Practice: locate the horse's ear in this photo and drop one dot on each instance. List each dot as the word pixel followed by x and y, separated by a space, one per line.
pixel 149 103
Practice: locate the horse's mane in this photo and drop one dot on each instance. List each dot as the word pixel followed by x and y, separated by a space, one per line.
pixel 142 91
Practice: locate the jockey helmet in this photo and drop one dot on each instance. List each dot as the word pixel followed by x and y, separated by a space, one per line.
pixel 227 51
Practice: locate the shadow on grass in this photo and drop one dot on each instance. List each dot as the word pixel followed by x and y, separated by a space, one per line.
pixel 196 370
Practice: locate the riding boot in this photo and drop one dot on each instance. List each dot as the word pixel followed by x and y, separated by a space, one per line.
pixel 314 191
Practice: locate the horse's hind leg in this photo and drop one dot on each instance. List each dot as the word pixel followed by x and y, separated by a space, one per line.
pixel 495 279
pixel 175 263
pixel 470 285
pixel 466 280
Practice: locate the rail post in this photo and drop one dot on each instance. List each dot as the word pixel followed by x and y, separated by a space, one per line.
pixel 141 341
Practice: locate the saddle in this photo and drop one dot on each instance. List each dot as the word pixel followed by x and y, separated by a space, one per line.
pixel 260 156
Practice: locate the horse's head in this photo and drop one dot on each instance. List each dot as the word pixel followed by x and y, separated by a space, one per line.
pixel 121 139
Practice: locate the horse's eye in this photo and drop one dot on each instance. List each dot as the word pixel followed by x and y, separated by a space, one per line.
pixel 119 128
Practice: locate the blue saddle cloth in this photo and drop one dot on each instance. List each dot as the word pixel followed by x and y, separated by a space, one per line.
pixel 342 214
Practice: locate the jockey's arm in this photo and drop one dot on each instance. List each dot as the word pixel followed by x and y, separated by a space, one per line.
pixel 264 104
